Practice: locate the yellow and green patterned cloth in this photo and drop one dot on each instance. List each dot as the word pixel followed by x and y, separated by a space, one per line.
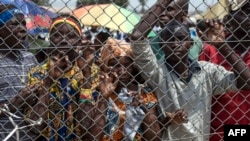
pixel 64 98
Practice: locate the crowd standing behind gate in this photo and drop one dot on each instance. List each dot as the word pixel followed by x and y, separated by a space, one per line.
pixel 183 82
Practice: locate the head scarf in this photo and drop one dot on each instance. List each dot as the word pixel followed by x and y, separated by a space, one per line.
pixel 67 20
pixel 115 48
pixel 8 14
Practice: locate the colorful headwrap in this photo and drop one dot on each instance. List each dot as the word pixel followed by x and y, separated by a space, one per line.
pixel 115 48
pixel 69 21
pixel 8 14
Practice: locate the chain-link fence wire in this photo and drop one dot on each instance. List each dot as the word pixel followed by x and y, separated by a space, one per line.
pixel 98 115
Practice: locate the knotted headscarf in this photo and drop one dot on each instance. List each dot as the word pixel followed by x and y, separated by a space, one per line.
pixel 68 20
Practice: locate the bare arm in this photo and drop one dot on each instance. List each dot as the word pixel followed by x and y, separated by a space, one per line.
pixel 40 109
pixel 26 97
pixel 240 69
pixel 84 62
pixel 149 19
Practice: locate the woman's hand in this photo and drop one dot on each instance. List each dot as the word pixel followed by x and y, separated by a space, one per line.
pixel 214 34
pixel 26 97
pixel 86 57
pixel 59 64
pixel 108 83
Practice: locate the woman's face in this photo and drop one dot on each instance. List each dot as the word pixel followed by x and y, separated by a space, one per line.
pixel 65 38
pixel 123 67
pixel 14 32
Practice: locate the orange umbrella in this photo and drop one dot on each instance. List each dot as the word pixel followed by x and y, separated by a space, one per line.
pixel 107 15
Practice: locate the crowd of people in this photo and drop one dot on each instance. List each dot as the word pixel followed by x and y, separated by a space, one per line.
pixel 178 85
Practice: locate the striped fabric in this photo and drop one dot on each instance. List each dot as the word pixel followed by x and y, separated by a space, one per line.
pixel 13 73
pixel 13 77
pixel 63 100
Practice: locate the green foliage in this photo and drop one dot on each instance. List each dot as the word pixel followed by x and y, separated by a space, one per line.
pixel 42 2
pixel 143 3
pixel 122 3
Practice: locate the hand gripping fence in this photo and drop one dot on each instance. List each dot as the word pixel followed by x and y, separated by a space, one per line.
pixel 5 110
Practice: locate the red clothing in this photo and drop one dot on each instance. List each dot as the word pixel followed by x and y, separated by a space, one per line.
pixel 230 108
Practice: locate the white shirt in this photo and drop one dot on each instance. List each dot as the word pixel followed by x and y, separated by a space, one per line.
pixel 193 96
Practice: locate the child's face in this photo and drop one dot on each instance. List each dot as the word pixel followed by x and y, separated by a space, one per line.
pixel 177 45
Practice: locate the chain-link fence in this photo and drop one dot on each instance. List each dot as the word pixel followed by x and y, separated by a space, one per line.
pixel 117 71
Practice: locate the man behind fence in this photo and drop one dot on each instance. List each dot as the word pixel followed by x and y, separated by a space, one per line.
pixel 183 83
pixel 15 62
pixel 231 108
